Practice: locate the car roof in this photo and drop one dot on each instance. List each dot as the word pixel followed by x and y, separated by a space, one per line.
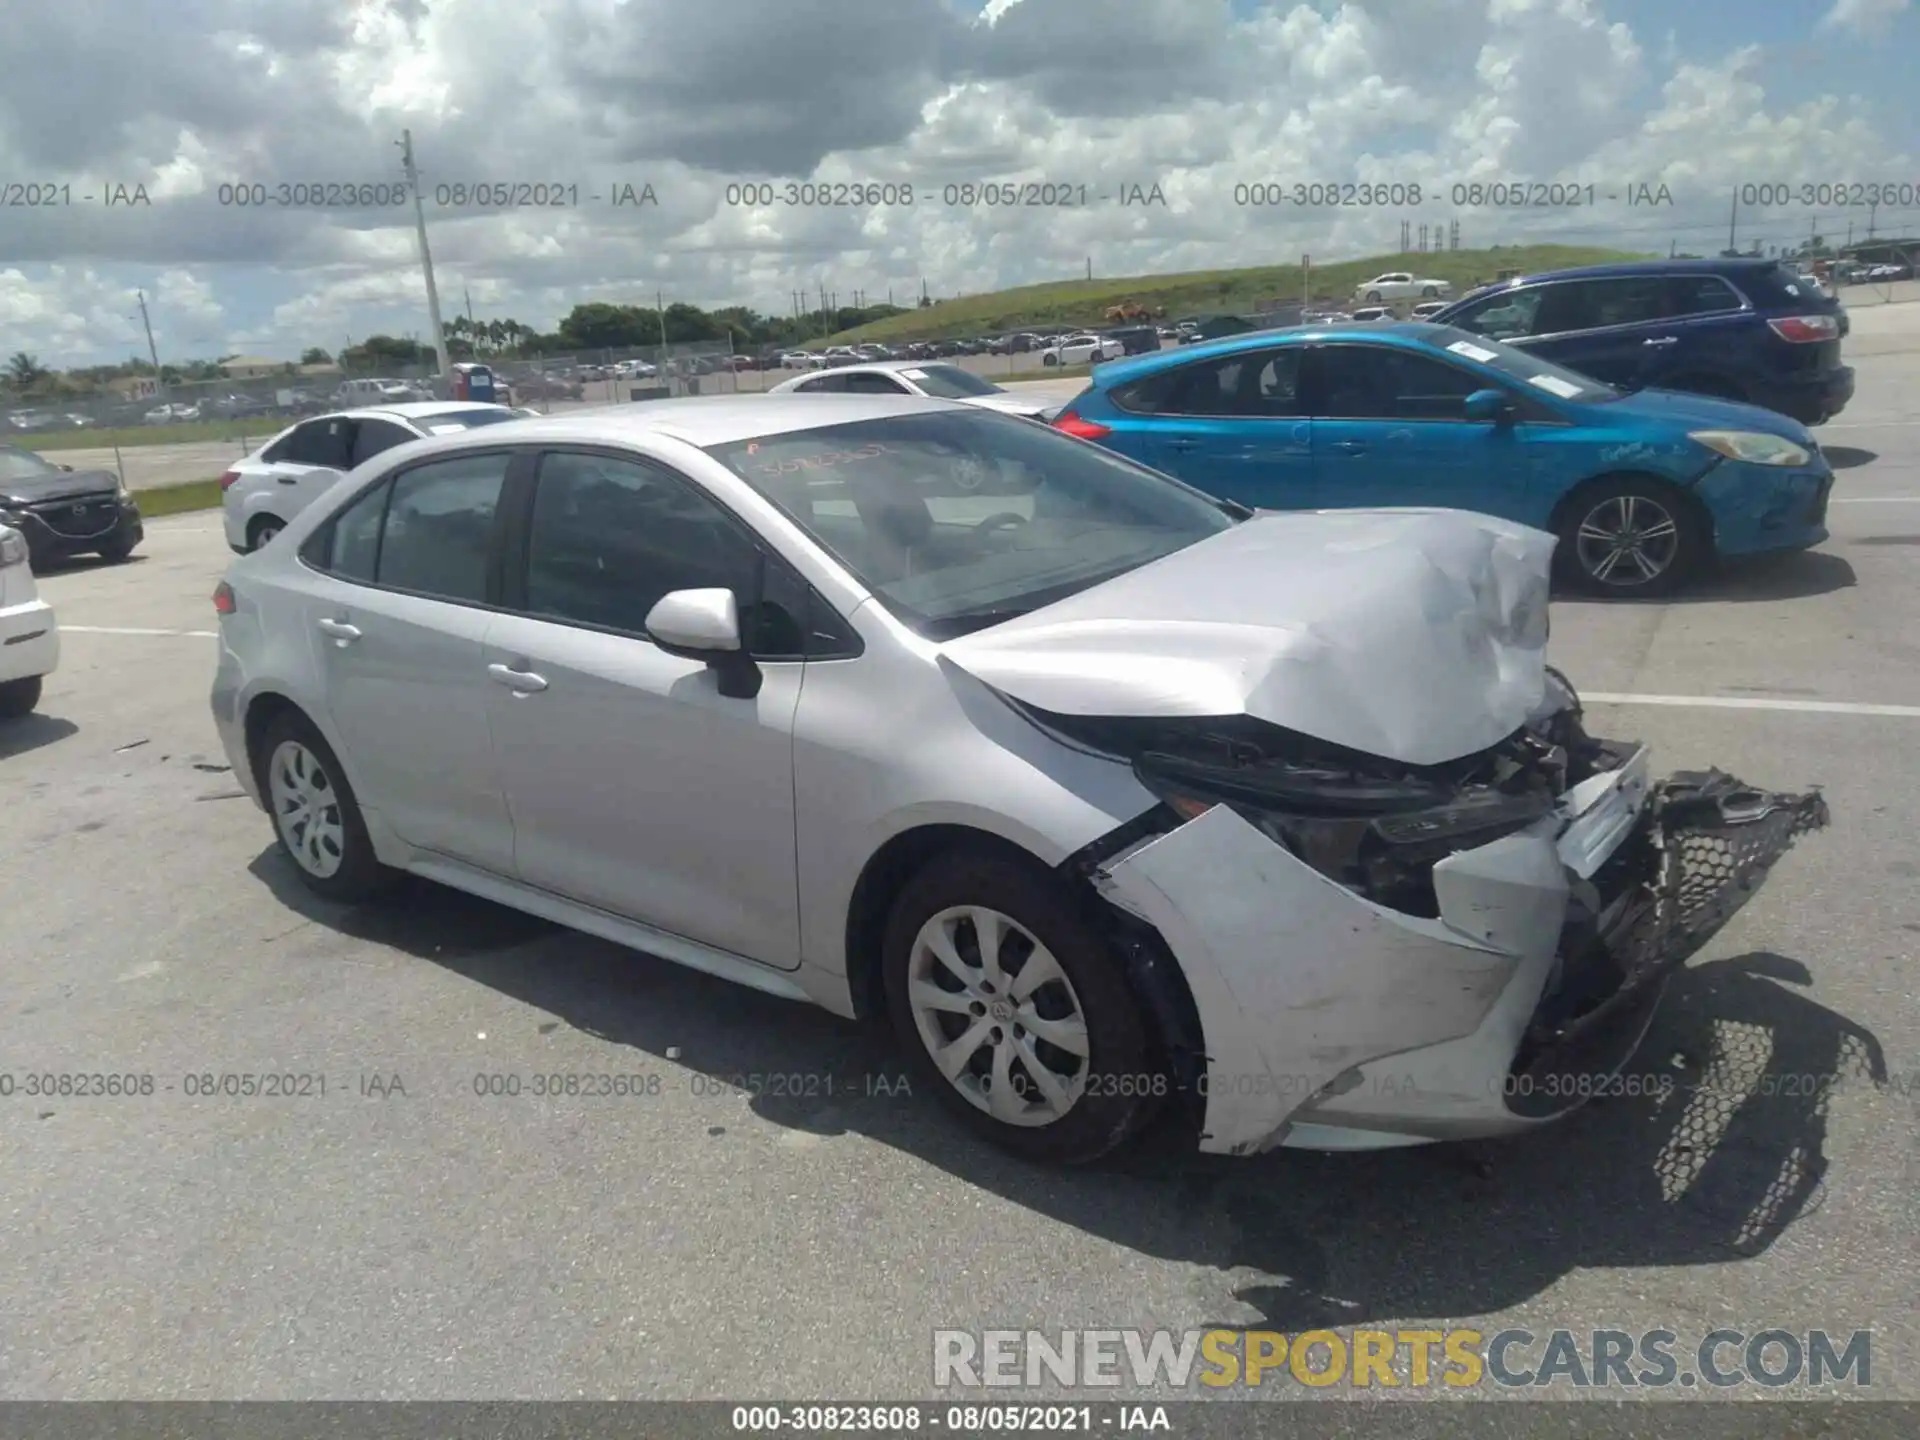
pixel 706 420
pixel 422 409
pixel 1407 332
pixel 1626 269
pixel 878 367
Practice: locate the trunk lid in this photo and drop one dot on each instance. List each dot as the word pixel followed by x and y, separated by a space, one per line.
pixel 1413 635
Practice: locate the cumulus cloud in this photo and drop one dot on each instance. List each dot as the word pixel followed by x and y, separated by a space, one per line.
pixel 1865 18
pixel 206 103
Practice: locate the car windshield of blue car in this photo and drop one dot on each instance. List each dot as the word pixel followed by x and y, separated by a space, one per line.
pixel 959 520
pixel 1529 369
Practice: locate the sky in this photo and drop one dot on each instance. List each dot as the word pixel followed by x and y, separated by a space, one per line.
pixel 145 124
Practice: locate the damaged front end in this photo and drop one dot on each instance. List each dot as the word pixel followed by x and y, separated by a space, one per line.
pixel 1381 953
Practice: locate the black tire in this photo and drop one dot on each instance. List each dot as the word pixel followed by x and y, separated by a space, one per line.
pixel 360 876
pixel 1374 296
pixel 1123 1077
pixel 263 528
pixel 18 697
pixel 117 553
pixel 1430 292
pixel 1675 538
pixel 1049 359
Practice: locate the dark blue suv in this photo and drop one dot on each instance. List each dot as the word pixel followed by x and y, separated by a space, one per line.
pixel 1741 329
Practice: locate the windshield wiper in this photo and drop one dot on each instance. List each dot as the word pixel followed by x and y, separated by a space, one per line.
pixel 965 622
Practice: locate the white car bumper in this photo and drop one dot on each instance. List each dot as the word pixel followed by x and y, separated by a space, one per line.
pixel 1332 1022
pixel 29 641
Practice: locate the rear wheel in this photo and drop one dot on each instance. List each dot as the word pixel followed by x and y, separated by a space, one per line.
pixel 1631 537
pixel 18 697
pixel 1013 1008
pixel 261 529
pixel 316 818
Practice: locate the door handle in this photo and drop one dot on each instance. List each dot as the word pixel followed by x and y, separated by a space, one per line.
pixel 288 479
pixel 521 681
pixel 1662 341
pixel 340 630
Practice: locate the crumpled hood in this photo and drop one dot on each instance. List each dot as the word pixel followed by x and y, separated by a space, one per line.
pixel 1414 635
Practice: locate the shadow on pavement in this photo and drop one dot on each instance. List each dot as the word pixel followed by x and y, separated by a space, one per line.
pixel 1847 457
pixel 1794 575
pixel 30 732
pixel 1718 1147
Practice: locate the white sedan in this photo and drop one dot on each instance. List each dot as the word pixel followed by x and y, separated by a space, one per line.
pixel 1103 792
pixel 915 377
pixel 29 638
pixel 261 493
pixel 1401 285
pixel 1082 350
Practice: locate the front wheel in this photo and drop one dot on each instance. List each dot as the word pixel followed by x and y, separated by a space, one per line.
pixel 117 553
pixel 1014 1009
pixel 1430 292
pixel 1631 538
pixel 1049 359
pixel 1373 295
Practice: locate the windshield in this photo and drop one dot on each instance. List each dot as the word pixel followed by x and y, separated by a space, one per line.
pixel 449 421
pixel 958 521
pixel 1522 365
pixel 24 465
pixel 950 382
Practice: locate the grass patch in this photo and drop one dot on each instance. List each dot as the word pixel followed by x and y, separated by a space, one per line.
pixel 178 499
pixel 1080 303
pixel 135 437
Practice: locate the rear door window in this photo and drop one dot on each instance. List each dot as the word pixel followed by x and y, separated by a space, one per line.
pixel 439 527
pixel 1703 295
pixel 327 441
pixel 1509 315
pixel 1602 304
pixel 377 435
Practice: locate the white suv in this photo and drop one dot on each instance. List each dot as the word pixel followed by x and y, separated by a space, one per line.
pixel 29 638
pixel 261 493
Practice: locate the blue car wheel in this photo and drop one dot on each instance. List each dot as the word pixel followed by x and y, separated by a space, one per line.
pixel 1629 537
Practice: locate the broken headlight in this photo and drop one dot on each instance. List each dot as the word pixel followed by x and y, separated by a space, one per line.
pixel 1379 834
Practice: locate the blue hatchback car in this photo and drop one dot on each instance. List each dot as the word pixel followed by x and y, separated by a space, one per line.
pixel 1644 488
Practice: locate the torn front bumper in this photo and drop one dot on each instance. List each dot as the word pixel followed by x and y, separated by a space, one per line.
pixel 1330 1021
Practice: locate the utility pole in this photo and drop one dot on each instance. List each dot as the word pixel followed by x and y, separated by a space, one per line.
pixel 444 361
pixel 153 352
pixel 1089 267
pixel 660 309
pixel 1733 215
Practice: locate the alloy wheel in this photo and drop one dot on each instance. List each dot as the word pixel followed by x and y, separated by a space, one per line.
pixel 1627 541
pixel 306 809
pixel 998 1015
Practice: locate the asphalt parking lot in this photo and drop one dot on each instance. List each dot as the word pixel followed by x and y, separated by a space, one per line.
pixel 401 1236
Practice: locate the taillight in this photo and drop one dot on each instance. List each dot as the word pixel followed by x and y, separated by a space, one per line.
pixel 223 601
pixel 1080 429
pixel 227 480
pixel 1807 329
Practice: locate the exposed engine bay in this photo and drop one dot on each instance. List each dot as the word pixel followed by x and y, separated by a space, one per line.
pixel 1688 852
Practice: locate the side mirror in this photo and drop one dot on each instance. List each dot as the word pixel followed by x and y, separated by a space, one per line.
pixel 705 625
pixel 66 467
pixel 1489 405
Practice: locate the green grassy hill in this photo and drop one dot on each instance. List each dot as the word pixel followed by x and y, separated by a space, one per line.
pixel 1204 292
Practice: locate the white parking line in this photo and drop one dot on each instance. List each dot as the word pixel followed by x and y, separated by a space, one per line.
pixel 134 630
pixel 1731 702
